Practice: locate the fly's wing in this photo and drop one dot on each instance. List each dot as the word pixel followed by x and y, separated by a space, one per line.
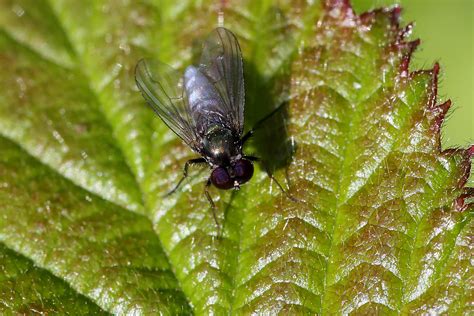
pixel 204 101
pixel 221 62
pixel 162 87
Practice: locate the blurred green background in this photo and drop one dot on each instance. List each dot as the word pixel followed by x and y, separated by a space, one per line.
pixel 446 30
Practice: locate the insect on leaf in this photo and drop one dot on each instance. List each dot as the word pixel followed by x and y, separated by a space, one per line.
pixel 383 222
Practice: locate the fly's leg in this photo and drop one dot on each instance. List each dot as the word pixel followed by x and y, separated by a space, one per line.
pixel 247 136
pixel 253 158
pixel 259 124
pixel 185 172
pixel 208 196
pixel 213 206
pixel 270 175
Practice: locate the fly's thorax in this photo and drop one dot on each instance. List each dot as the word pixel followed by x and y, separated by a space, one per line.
pixel 220 145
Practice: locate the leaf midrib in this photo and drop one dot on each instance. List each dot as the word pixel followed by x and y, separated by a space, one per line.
pixel 80 65
pixel 137 183
pixel 38 54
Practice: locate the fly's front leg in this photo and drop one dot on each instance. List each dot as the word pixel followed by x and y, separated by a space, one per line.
pixel 247 136
pixel 259 124
pixel 270 175
pixel 252 158
pixel 185 172
pixel 213 206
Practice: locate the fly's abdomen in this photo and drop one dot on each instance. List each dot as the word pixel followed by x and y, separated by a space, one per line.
pixel 203 99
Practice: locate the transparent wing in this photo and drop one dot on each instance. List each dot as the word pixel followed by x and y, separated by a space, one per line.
pixel 162 87
pixel 204 102
pixel 221 62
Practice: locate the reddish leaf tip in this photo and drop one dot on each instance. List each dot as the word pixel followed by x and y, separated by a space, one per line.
pixel 445 106
pixel 465 164
pixel 414 44
pixel 434 85
pixel 395 12
pixel 436 69
pixel 440 113
pixel 406 31
pixel 405 63
pixel 460 204
pixel 434 73
pixel 470 151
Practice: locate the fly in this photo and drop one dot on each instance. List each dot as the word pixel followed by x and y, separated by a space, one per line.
pixel 205 108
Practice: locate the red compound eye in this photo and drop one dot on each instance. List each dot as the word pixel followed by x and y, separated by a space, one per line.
pixel 243 170
pixel 220 179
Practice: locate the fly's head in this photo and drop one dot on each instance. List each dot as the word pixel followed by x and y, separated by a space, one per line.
pixel 232 176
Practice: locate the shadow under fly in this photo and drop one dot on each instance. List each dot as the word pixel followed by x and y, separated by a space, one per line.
pixel 267 113
pixel 205 108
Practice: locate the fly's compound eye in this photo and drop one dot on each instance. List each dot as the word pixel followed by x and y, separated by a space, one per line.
pixel 220 179
pixel 243 170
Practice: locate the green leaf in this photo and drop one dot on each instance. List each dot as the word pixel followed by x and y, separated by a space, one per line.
pixel 26 289
pixel 382 221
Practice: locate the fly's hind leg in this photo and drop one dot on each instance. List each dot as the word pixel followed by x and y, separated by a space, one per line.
pixel 185 172
pixel 270 175
pixel 258 125
pixel 213 206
